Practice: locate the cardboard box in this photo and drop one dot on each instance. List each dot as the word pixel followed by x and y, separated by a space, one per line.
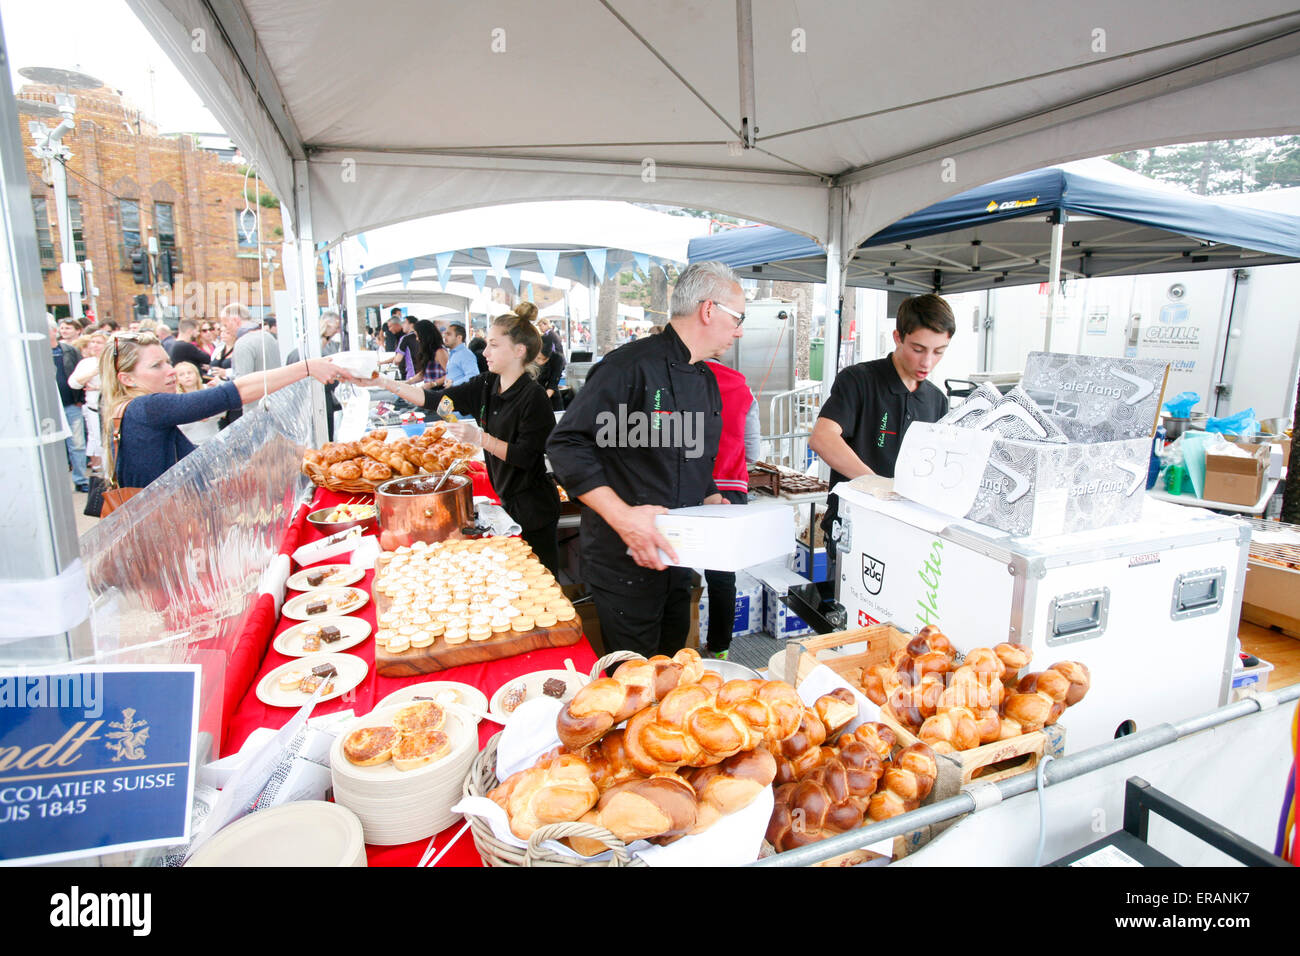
pixel 1271 597
pixel 1107 408
pixel 748 612
pixel 1038 489
pixel 779 620
pixel 728 537
pixel 1234 480
pixel 812 565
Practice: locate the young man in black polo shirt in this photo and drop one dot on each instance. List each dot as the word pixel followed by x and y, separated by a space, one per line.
pixel 861 426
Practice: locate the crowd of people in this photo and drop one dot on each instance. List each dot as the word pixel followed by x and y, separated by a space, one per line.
pixel 151 396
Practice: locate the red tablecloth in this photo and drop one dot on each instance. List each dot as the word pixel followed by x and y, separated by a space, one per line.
pixel 249 713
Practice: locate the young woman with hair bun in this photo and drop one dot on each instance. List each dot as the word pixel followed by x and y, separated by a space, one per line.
pixel 516 418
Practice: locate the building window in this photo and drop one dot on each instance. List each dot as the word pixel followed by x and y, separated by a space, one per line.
pixel 246 229
pixel 128 217
pixel 78 234
pixel 44 240
pixel 164 224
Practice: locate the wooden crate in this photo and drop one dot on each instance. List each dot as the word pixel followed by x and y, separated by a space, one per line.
pixel 868 646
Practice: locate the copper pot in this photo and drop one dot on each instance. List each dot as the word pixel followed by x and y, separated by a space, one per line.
pixel 410 511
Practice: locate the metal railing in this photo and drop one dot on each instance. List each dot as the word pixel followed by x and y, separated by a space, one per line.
pixel 977 796
pixel 791 416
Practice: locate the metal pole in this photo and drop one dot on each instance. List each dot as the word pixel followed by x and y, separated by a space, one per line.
pixel 310 307
pixel 39 557
pixel 834 288
pixel 1054 279
pixel 355 331
pixel 1059 770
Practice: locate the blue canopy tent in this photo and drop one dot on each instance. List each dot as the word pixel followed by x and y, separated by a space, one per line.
pixel 1104 221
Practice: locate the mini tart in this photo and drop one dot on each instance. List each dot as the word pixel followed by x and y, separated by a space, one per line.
pixel 436 628
pixel 419 717
pixel 398 643
pixel 455 635
pixel 421 749
pixel 546 619
pixel 291 679
pixel 481 633
pixel 523 624
pixel 500 625
pixel 369 746
pixel 382 637
pixel 565 612
pixel 422 639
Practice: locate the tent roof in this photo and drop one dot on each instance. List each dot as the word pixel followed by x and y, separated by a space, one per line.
pixel 1117 223
pixel 393 109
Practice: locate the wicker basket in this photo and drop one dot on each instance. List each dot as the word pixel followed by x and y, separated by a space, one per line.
pixel 483 778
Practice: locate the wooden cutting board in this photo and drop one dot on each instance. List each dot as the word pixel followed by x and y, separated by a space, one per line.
pixel 441 656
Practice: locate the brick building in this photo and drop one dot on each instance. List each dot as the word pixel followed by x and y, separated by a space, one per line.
pixel 127 183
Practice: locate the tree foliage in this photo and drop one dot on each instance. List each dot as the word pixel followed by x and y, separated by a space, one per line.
pixel 1220 166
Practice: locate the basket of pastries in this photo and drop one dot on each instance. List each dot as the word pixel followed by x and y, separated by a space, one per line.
pixel 659 751
pixel 360 467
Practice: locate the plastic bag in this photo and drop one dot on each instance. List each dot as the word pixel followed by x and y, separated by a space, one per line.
pixel 1180 406
pixel 1243 424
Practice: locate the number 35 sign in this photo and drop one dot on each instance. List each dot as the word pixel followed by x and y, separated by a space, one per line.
pixel 940 466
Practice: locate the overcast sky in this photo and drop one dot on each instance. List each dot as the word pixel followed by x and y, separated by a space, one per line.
pixel 102 38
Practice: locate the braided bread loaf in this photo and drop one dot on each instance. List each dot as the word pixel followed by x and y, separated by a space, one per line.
pixel 557 789
pixel 634 686
pixel 906 782
pixel 831 799
pixel 661 808
pixel 694 726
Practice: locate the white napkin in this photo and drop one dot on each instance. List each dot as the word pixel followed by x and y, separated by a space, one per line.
pixel 336 544
pixel 273 579
pixel 366 553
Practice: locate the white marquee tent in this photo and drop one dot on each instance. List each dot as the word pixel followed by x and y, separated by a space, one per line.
pixel 830 119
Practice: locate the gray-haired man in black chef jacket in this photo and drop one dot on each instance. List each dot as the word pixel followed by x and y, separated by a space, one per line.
pixel 608 452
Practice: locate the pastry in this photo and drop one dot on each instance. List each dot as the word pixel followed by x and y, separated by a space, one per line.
pixel 317 606
pixel 419 717
pixel 420 749
pixel 554 687
pixel 513 697
pixel 369 746
pixel 291 679
pixel 330 633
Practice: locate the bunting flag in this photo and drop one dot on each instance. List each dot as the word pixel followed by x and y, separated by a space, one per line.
pixel 612 269
pixel 642 263
pixel 597 259
pixel 361 238
pixel 517 280
pixel 444 267
pixel 406 270
pixel 498 258
pixel 528 292
pixel 548 259
pixel 480 277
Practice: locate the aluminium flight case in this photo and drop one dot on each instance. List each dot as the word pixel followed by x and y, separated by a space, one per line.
pixel 1152 608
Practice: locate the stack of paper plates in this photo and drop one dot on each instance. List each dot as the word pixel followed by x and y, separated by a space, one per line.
pixel 310 833
pixel 399 806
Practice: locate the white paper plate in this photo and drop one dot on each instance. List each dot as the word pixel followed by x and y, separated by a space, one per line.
pixel 355 630
pixel 342 576
pixel 533 688
pixel 465 695
pixel 309 833
pixel 459 728
pixel 296 608
pixel 352 671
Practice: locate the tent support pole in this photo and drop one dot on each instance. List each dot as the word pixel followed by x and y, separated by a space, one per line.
pixel 355 328
pixel 834 287
pixel 1054 279
pixel 38 539
pixel 308 303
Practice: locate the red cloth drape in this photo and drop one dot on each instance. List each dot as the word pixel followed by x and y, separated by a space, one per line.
pixel 247 713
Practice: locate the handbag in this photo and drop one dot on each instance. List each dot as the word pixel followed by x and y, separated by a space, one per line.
pixel 105 496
